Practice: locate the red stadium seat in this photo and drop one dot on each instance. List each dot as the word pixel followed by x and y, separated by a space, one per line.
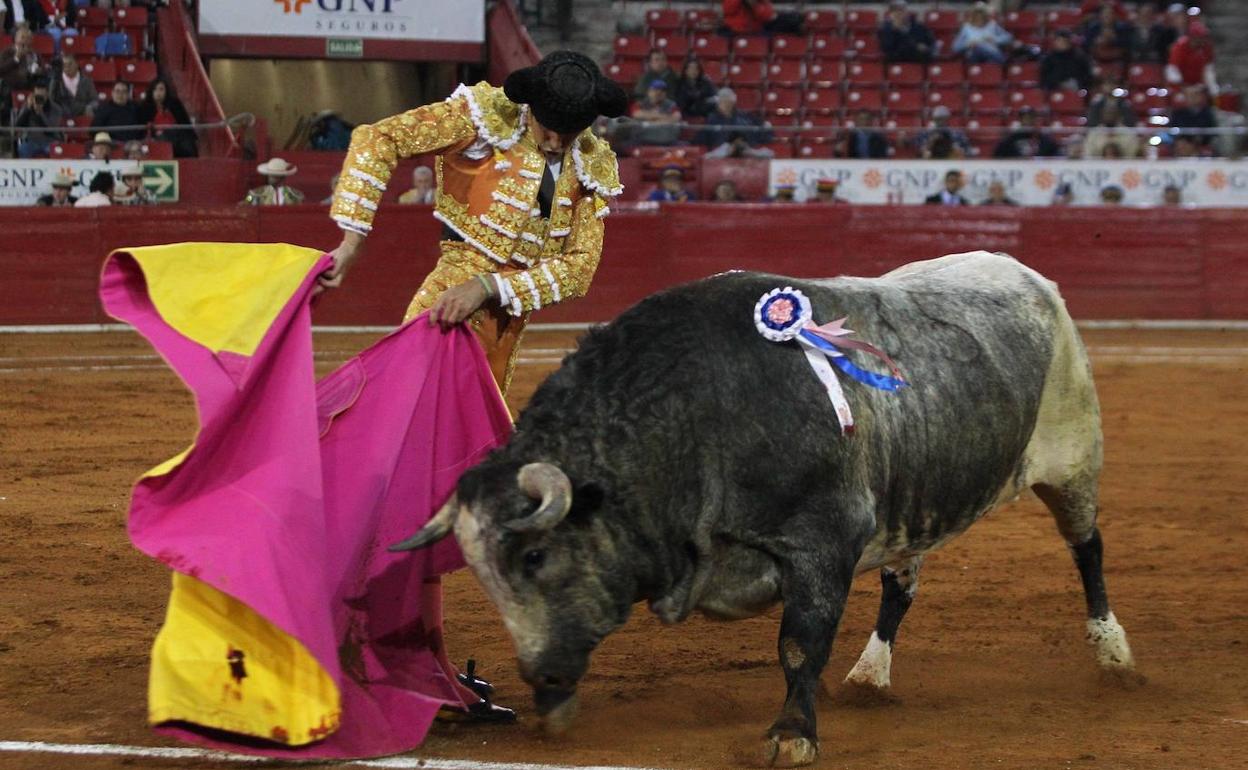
pixel 1112 71
pixel 67 150
pixel 823 74
pixel 908 75
pixel 675 46
pixel 1063 18
pixel 985 101
pixel 702 19
pixel 710 46
pixel 946 74
pixel 813 120
pixel 100 71
pixel 782 101
pixel 942 21
pixel 1067 102
pixel 20 98
pixel 821 22
pixel 781 148
pixel 1033 98
pixel 1021 23
pixel 132 17
pixel 789 46
pixel 984 75
pixel 1023 74
pixel 786 72
pixel 905 120
pixel 952 98
pixel 625 72
pixel 154 149
pixel 864 46
pixel 864 99
pixel 6 41
pixel 665 21
pixel 141 71
pixel 632 46
pixel 90 16
pixel 1068 121
pixel 749 99
pixel 827 46
pixel 864 73
pixel 716 69
pixel 812 147
pixel 753 47
pixel 1145 75
pixel 823 101
pixel 862 21
pixel 745 74
pixel 1151 101
pixel 905 100
pixel 43 45
pixel 79 45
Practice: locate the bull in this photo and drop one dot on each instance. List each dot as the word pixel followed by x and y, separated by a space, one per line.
pixel 676 457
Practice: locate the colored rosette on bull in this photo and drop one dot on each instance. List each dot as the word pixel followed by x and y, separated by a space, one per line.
pixel 785 314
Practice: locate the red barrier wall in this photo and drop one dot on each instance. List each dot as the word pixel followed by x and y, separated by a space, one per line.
pixel 1127 263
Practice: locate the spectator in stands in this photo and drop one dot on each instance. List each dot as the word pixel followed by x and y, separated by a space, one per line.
pixel 38 113
pixel 1108 39
pixel 329 131
pixel 695 93
pixel 759 17
pixel 19 64
pixel 1186 147
pixel 730 133
pixel 981 39
pixel 1090 9
pixel 1146 31
pixel 1196 113
pixel 62 184
pixel 1173 26
pixel 726 192
pixel 997 195
pixel 671 187
pixel 659 115
pixel 72 91
pixel 134 150
pixel 118 111
pixel 101 147
pixel 951 194
pixel 423 189
pixel 785 193
pixel 1065 66
pixel 113 42
pixel 940 141
pixel 1111 96
pixel 1028 140
pixel 1111 195
pixel 1064 195
pixel 133 193
pixel 276 192
pixel 1110 127
pixel 863 140
pixel 657 68
pixel 825 192
pixel 100 191
pixel 17 13
pixel 1191 59
pixel 903 38
pixel 161 109
pixel 1172 196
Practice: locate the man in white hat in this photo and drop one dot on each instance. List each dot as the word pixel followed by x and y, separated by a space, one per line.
pixel 61 185
pixel 133 193
pixel 276 192
pixel 101 147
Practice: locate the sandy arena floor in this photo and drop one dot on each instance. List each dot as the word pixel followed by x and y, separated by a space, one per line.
pixel 991 670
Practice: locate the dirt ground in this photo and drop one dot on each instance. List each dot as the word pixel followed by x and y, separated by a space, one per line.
pixel 991 670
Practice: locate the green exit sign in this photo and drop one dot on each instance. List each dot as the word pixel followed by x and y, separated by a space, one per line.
pixel 344 48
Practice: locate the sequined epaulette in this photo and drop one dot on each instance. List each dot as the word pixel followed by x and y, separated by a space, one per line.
pixel 596 167
pixel 500 122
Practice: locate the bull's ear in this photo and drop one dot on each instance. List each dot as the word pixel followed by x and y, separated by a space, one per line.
pixel 586 499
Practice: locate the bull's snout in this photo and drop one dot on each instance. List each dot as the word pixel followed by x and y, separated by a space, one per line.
pixel 557 708
pixel 547 699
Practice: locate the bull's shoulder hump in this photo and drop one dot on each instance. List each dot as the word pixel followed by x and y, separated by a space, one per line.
pixel 977 268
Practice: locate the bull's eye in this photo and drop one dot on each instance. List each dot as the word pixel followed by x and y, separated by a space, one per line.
pixel 533 561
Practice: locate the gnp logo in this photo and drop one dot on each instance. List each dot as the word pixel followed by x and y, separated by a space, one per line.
pixel 292 6
pixel 339 6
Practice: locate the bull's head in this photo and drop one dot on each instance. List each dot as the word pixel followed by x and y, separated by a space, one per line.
pixel 547 564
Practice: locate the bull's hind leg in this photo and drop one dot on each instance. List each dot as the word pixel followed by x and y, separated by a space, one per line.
pixel 899 582
pixel 1074 507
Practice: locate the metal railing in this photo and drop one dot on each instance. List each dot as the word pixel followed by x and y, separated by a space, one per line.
pixel 242 120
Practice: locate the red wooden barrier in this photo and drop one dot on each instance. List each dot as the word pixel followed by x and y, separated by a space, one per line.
pixel 1110 263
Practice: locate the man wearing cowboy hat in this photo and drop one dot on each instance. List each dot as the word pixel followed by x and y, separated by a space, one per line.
pixel 61 185
pixel 276 192
pixel 523 185
pixel 101 147
pixel 133 193
pixel 825 192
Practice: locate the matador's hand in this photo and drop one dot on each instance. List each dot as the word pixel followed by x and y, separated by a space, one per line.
pixel 457 303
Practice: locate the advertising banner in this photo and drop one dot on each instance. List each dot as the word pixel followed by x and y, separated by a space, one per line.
pixel 1201 182
pixel 452 21
pixel 22 182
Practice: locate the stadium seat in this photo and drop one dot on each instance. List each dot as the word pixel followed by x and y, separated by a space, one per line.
pixel 753 47
pixel 132 17
pixel 1112 71
pixel 745 74
pixel 910 120
pixel 864 46
pixel 104 90
pixel 43 45
pixel 862 21
pixel 716 69
pixel 781 148
pixel 786 73
pixel 946 74
pixel 983 141
pixel 905 100
pixel 1034 98
pixel 1145 75
pixel 625 72
pixel 91 16
pixel 710 46
pixel 864 99
pixel 984 75
pixel 950 97
pixel 1151 101
pixel 906 75
pixel 100 71
pixel 814 120
pixel 990 101
pixel 827 46
pixel 822 22
pixel 782 101
pixel 1063 18
pixel 1024 74
pixel 665 21
pixel 823 101
pixel 823 74
pixel 1067 121
pixel 154 149
pixel 813 147
pixel 862 73
pixel 789 46
pixel 632 46
pixel 702 19
pixel 6 41
pixel 19 99
pixel 140 71
pixel 79 45
pixel 1067 102
pixel 675 46
pixel 942 21
pixel 1021 23
pixel 67 150
pixel 749 99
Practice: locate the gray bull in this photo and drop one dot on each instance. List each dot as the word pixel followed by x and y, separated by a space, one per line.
pixel 677 457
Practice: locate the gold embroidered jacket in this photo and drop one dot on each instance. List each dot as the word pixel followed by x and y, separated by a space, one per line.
pixel 489 169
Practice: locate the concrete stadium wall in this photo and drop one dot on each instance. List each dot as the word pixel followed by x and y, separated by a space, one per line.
pixel 1127 263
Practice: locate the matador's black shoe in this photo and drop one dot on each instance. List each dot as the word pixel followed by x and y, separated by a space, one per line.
pixel 483 711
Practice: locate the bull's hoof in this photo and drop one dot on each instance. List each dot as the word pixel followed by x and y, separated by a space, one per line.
pixel 784 750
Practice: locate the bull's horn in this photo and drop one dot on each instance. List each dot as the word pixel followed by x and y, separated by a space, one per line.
pixel 437 528
pixel 549 484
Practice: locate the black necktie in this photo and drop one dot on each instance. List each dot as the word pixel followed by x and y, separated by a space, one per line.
pixel 546 192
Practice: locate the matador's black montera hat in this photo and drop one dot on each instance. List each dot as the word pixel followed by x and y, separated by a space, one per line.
pixel 566 92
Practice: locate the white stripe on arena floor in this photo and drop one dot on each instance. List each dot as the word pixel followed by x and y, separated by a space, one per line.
pixel 161 752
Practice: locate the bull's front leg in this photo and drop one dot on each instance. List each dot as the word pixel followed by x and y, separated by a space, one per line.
pixel 815 587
